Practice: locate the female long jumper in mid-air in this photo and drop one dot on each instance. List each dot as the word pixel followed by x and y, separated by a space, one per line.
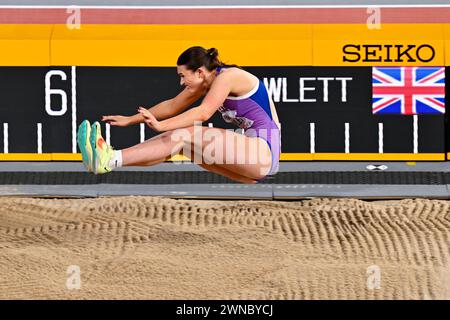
pixel 242 99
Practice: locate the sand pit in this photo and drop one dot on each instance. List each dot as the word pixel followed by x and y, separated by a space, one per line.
pixel 156 248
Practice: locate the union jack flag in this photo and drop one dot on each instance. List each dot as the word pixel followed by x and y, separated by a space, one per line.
pixel 408 90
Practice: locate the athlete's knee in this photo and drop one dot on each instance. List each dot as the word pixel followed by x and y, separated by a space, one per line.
pixel 183 135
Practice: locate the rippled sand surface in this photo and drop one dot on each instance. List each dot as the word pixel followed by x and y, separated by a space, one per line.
pixel 159 248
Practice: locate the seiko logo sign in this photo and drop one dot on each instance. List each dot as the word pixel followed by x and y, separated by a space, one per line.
pixel 388 53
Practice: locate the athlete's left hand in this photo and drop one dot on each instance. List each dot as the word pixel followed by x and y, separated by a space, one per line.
pixel 150 120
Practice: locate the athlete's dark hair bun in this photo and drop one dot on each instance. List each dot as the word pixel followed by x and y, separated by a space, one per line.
pixel 195 57
pixel 213 52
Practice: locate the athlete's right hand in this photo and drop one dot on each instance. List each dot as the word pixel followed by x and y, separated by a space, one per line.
pixel 120 121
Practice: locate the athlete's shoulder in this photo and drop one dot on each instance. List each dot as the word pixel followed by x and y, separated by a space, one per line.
pixel 234 73
pixel 231 70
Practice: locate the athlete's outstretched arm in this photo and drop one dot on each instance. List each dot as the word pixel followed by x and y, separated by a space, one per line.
pixel 160 111
pixel 217 94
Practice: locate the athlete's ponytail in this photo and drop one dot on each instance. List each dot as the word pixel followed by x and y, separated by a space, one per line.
pixel 195 57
